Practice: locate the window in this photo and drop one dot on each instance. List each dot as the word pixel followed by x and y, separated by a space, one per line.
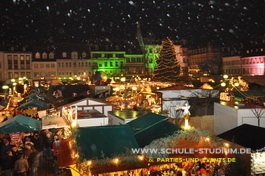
pixel 120 55
pixel 106 64
pixel 51 55
pixel 111 65
pixel 41 65
pixel 74 55
pixel 96 55
pixel 116 64
pixel 36 74
pixel 108 55
pixel 64 54
pixel 52 65
pixel 44 55
pixel 15 62
pixel 37 55
pixel 47 65
pixel 22 62
pixel 84 55
pixel 36 66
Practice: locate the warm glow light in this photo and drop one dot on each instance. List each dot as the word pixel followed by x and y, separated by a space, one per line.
pixel 226 144
pixel 223 84
pixel 225 76
pixel 134 88
pixel 116 160
pixel 123 79
pixel 5 87
pixel 73 124
pixel 186 126
pixel 236 84
pixel 141 157
pixel 207 139
pixel 13 80
pixel 89 162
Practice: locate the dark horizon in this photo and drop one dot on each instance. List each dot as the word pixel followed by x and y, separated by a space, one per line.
pixel 33 22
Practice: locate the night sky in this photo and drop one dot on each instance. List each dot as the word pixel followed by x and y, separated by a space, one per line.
pixel 48 21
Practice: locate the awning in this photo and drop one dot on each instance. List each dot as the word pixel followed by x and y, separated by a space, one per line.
pixel 34 103
pixel 35 96
pixel 150 127
pixel 20 123
pixel 104 141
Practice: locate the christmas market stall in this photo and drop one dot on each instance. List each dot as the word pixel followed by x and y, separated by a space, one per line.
pixel 106 149
pixel 36 96
pixel 196 152
pixel 249 136
pixel 20 123
pixel 34 103
pixel 151 126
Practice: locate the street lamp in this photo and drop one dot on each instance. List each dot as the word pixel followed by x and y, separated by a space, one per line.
pixel 225 76
pixel 5 88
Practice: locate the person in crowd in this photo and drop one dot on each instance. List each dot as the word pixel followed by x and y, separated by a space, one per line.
pixel 55 154
pixel 34 162
pixel 15 152
pixel 5 148
pixel 28 149
pixel 8 163
pixel 46 137
pixel 37 141
pixel 21 166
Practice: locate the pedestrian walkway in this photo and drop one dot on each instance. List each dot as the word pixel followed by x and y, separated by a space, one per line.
pixel 47 168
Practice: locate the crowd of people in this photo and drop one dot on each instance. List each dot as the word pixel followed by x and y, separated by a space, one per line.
pixel 23 157
pixel 192 169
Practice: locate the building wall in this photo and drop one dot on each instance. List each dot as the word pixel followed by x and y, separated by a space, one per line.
pixel 99 121
pixel 182 58
pixel 254 65
pixel 110 62
pixel 15 65
pixel 227 118
pixel 232 65
pixel 78 68
pixel 44 70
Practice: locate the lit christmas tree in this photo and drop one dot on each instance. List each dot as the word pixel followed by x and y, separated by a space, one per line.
pixel 167 69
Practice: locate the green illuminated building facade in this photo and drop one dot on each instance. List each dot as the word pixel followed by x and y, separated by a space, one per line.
pixel 121 63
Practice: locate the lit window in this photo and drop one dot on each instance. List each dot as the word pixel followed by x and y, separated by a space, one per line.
pixel 37 55
pixel 64 54
pixel 44 55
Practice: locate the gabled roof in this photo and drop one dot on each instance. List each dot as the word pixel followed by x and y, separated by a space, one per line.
pixel 246 135
pixel 103 142
pixel 150 127
pixel 245 94
pixel 20 123
pixel 145 121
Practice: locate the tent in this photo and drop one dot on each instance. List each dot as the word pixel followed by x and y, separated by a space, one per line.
pixel 34 103
pixel 150 127
pixel 20 123
pixel 35 96
pixel 39 89
pixel 246 135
